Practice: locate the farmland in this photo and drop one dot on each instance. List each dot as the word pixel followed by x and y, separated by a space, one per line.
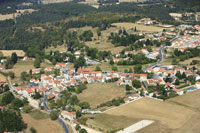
pixel 167 116
pixel 98 93
pixel 7 53
pixel 141 28
pixel 20 67
pixel 42 125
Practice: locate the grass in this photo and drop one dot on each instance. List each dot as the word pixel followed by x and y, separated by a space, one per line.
pixel 42 125
pixel 107 67
pixel 9 52
pixel 20 67
pixel 190 99
pixel 179 104
pixel 38 115
pixel 188 61
pixel 165 114
pixel 61 48
pixel 139 27
pixel 98 93
pixel 107 122
pixel 182 86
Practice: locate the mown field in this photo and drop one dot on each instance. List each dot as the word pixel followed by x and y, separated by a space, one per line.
pixel 167 116
pixel 98 93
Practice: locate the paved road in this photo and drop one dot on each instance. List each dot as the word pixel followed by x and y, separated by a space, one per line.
pixel 161 54
pixel 59 120
pixel 161 57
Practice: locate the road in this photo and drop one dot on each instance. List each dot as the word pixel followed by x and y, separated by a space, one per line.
pixel 160 59
pixel 48 110
pixel 161 54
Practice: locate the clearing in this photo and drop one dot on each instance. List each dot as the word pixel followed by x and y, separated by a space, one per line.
pixel 98 93
pixel 43 125
pixel 59 48
pixel 17 14
pixel 7 53
pixel 167 116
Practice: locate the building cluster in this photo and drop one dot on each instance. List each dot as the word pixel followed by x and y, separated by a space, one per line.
pixel 147 21
pixel 186 42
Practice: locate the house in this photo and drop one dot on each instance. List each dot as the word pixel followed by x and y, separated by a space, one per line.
pixel 36 71
pixel 197 85
pixel 48 69
pixel 51 95
pixel 68 115
pixel 177 91
pixel 60 65
pixel 134 96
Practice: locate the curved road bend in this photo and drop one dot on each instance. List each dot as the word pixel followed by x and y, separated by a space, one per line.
pixel 161 57
pixel 59 120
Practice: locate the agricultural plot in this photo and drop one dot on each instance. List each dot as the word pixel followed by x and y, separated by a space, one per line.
pixel 167 116
pixel 98 93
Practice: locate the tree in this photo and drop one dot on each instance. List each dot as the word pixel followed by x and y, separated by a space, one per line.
pixel 37 63
pixel 11 74
pixel 142 92
pixel 138 69
pixel 114 68
pixel 98 68
pixel 78 127
pixel 33 130
pixel 84 105
pixel 53 115
pixel 6 98
pixel 24 76
pixel 11 121
pixel 128 88
pixel 98 32
pixel 178 75
pixel 111 62
pixel 78 114
pixel 83 130
pixel 80 62
pixel 74 99
pixel 136 83
pixel 17 103
pixel 14 58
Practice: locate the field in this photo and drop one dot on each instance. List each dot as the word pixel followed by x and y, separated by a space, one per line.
pixel 11 16
pixel 167 116
pixel 187 62
pixel 43 125
pixel 2 78
pixel 38 115
pixel 190 99
pixel 9 52
pixel 99 93
pixel 107 67
pixel 20 67
pixel 139 27
pixel 61 48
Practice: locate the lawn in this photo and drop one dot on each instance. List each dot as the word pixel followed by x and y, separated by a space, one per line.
pixel 98 93
pixel 167 116
pixel 42 125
